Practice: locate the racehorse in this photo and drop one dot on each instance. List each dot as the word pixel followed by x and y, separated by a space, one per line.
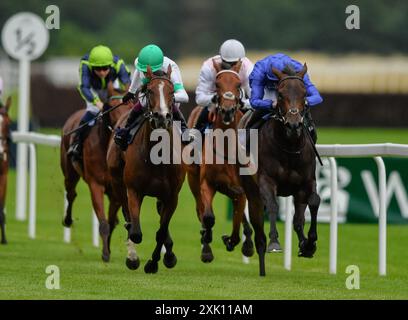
pixel 287 166
pixel 135 175
pixel 4 161
pixel 208 178
pixel 93 168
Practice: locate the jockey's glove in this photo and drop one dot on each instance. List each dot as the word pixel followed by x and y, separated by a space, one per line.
pixel 128 96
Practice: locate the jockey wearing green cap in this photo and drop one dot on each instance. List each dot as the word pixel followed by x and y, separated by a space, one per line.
pixel 151 55
pixel 96 70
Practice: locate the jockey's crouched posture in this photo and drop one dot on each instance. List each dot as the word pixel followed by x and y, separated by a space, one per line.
pixel 264 90
pixel 151 55
pixel 231 52
pixel 96 70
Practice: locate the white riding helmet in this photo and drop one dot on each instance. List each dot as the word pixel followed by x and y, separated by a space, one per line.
pixel 232 50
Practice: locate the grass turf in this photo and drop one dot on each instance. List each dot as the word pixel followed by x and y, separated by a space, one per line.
pixel 85 276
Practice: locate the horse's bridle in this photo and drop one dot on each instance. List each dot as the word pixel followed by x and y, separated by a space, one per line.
pixel 149 114
pixel 279 116
pixel 228 95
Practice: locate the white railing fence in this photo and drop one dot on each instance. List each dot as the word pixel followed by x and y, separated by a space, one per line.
pixel 33 139
pixel 375 151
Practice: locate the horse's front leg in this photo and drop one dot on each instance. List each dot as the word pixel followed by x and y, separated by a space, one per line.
pixel 207 220
pixel 134 205
pixel 97 194
pixel 167 209
pixel 238 203
pixel 268 191
pixel 170 258
pixel 2 225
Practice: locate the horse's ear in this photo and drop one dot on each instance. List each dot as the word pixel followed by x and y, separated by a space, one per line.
pixel 302 72
pixel 217 66
pixel 237 66
pixel 169 71
pixel 8 103
pixel 149 72
pixel 277 73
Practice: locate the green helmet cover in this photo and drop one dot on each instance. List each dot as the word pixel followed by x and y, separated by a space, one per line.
pixel 150 55
pixel 100 56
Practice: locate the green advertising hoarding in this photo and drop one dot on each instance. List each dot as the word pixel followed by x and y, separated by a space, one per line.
pixel 358 194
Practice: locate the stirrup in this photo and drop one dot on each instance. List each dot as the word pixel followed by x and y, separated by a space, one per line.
pixel 74 152
pixel 121 137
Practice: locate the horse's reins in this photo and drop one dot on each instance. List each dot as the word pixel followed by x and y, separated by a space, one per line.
pixel 99 115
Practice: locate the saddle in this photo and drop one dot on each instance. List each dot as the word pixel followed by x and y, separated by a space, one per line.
pixel 135 127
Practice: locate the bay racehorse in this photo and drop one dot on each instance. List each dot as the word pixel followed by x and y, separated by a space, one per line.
pixel 208 178
pixel 93 168
pixel 135 175
pixel 5 140
pixel 287 167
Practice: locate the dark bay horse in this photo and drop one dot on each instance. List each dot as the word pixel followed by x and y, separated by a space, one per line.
pixel 208 178
pixel 287 167
pixel 4 163
pixel 93 168
pixel 136 176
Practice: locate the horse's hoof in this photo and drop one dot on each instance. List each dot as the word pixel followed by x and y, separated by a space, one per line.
pixel 105 257
pixel 228 244
pixel 67 222
pixel 207 256
pixel 151 266
pixel 274 247
pixel 170 260
pixel 136 237
pixel 133 264
pixel 307 249
pixel 248 249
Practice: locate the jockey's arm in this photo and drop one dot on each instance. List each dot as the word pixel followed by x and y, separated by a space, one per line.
pixel 246 89
pixel 84 86
pixel 257 81
pixel 205 90
pixel 180 94
pixel 136 82
pixel 313 96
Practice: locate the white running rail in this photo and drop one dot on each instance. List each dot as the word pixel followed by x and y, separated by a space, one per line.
pixel 376 151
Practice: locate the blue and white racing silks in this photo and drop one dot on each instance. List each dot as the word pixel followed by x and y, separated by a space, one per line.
pixel 263 82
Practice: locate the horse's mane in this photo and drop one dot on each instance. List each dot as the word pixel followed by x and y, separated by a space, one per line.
pixel 289 69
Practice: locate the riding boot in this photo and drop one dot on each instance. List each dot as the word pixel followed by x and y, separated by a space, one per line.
pixel 202 119
pixel 310 125
pixel 75 149
pixel 178 116
pixel 121 136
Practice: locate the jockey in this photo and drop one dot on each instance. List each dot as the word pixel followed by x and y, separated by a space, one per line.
pixel 264 89
pixel 96 70
pixel 231 52
pixel 151 55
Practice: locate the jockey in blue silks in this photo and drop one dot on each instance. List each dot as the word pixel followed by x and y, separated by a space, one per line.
pixel 264 83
